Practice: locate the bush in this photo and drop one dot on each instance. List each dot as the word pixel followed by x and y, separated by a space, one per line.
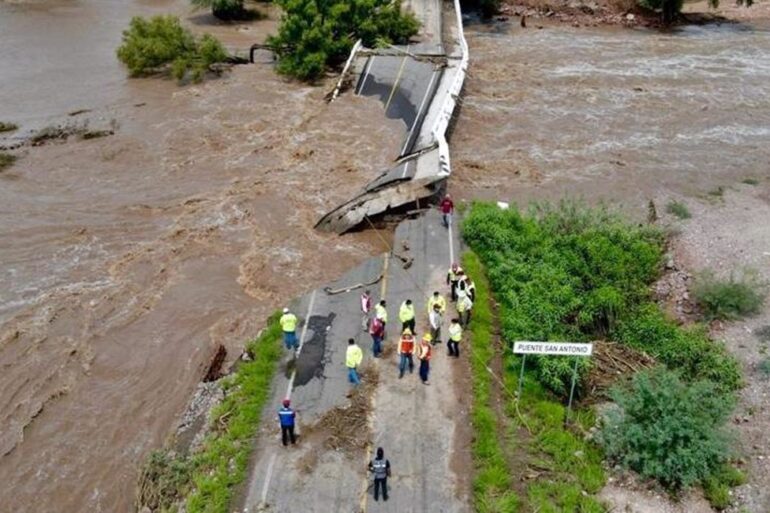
pixel 690 351
pixel 314 35
pixel 150 46
pixel 717 486
pixel 678 209
pixel 8 127
pixel 729 299
pixel 668 430
pixel 222 9
pixel 6 160
pixel 563 273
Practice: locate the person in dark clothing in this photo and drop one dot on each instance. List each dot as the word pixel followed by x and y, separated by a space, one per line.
pixel 287 417
pixel 380 467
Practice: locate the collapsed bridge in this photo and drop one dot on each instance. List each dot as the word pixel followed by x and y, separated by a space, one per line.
pixel 420 84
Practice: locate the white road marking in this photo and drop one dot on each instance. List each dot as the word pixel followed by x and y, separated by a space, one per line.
pixel 290 388
pixel 366 75
pixel 269 475
pixel 419 111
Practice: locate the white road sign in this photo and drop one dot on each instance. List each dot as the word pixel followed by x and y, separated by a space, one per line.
pixel 557 348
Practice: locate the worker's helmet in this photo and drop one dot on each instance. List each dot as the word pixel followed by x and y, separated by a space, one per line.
pixel 406 331
pixel 286 403
pixel 285 310
pixel 427 337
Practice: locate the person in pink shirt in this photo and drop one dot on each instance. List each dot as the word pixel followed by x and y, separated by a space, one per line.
pixel 366 308
pixel 447 208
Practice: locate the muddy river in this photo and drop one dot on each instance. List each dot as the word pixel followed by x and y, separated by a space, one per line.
pixel 617 114
pixel 126 260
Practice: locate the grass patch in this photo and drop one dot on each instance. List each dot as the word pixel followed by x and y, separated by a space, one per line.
pixel 717 486
pixel 8 127
pixel 718 192
pixel 492 480
pixel 6 160
pixel 750 181
pixel 678 209
pixel 730 299
pixel 207 478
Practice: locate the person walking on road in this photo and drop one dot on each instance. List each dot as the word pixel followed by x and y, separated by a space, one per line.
pixel 452 278
pixel 287 417
pixel 406 352
pixel 366 309
pixel 381 312
pixel 353 358
pixel 455 336
pixel 424 356
pixel 447 208
pixel 289 327
pixel 470 287
pixel 380 467
pixel 406 315
pixel 435 318
pixel 377 331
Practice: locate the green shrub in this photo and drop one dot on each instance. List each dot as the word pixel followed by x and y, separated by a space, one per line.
pixel 716 487
pixel 316 34
pixel 8 127
pixel 728 299
pixel 6 160
pixel 689 350
pixel 160 43
pixel 668 430
pixel 750 181
pixel 222 9
pixel 567 273
pixel 678 209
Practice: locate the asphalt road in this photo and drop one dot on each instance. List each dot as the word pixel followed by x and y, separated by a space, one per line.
pixel 413 422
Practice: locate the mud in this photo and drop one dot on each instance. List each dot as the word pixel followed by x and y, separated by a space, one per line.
pixel 127 260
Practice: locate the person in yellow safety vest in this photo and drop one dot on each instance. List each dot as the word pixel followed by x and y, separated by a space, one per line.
pixel 455 336
pixel 464 306
pixel 437 299
pixel 406 315
pixel 451 280
pixel 353 358
pixel 424 355
pixel 289 327
pixel 381 313
pixel 405 353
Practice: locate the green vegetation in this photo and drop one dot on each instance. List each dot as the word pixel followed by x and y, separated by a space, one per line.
pixel 536 432
pixel 667 429
pixel 8 127
pixel 492 483
pixel 208 477
pixel 563 273
pixel 750 181
pixel 315 34
pixel 162 44
pixel 6 160
pixel 728 299
pixel 225 9
pixel 678 209
pixel 718 192
pixel 569 272
pixel 717 486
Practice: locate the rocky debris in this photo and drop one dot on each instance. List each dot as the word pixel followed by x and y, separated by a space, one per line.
pixel 192 427
pixel 672 292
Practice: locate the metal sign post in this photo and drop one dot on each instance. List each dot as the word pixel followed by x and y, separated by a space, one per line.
pixel 554 349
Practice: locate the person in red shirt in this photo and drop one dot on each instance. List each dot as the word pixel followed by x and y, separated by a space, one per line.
pixel 446 207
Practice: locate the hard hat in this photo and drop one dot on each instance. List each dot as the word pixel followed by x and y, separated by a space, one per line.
pixel 285 310
pixel 406 331
pixel 427 337
pixel 286 403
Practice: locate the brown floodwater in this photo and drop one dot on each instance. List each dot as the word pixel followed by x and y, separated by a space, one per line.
pixel 612 114
pixel 126 260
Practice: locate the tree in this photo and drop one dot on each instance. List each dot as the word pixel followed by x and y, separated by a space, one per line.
pixel 222 9
pixel 161 43
pixel 315 34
